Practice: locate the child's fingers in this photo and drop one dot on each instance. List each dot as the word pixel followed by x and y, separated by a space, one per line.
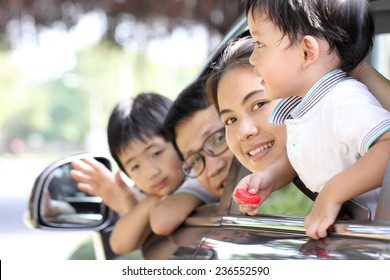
pixel 94 163
pixel 79 176
pixel 119 180
pixel 87 189
pixel 82 166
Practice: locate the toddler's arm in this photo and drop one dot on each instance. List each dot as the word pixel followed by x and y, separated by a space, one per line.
pixel 366 174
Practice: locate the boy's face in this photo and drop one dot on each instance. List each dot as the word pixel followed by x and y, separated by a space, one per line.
pixel 275 60
pixel 191 134
pixel 153 165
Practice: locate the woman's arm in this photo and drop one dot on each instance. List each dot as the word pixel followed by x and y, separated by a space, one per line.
pixel 275 176
pixel 378 85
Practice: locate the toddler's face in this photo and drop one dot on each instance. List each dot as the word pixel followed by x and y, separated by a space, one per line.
pixel 153 165
pixel 275 60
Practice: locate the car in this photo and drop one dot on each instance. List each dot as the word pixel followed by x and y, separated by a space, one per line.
pixel 219 230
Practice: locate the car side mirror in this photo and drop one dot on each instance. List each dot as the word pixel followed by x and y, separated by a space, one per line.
pixel 56 202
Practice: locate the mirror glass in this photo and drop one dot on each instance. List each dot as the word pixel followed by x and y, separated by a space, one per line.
pixel 63 203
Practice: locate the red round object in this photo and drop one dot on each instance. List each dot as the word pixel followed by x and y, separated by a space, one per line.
pixel 244 196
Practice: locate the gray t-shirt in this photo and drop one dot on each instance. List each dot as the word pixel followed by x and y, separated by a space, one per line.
pixel 192 186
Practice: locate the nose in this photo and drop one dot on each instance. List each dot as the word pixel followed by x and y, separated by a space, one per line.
pixel 246 130
pixel 213 165
pixel 253 61
pixel 153 170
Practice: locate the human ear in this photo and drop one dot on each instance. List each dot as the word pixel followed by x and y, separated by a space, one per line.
pixel 309 50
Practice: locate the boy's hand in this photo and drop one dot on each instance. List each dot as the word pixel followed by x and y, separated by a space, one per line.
pixel 251 191
pixel 95 179
pixel 321 217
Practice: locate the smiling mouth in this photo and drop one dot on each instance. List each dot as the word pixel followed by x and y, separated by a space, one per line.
pixel 261 148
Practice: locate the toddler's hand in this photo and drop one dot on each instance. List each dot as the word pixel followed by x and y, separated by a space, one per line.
pixel 321 217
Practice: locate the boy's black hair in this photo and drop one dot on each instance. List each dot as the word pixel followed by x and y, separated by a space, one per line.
pixel 347 25
pixel 190 101
pixel 136 118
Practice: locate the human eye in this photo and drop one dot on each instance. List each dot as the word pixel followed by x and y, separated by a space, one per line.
pixel 187 169
pixel 259 44
pixel 218 138
pixel 134 168
pixel 157 153
pixel 229 121
pixel 192 163
pixel 258 105
pixel 194 160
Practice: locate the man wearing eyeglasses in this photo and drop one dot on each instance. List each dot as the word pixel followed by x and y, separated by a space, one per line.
pixel 198 136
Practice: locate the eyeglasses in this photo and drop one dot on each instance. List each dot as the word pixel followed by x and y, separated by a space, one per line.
pixel 214 145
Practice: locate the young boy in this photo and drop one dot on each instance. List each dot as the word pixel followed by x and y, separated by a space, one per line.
pixel 338 134
pixel 139 145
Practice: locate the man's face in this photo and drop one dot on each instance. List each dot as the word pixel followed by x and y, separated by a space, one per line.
pixel 191 135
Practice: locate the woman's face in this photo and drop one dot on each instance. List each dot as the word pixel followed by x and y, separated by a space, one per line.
pixel 245 112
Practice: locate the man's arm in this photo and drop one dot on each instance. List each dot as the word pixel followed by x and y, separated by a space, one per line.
pixel 168 214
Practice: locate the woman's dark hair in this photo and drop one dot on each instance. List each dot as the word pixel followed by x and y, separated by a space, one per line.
pixel 347 25
pixel 236 53
pixel 136 118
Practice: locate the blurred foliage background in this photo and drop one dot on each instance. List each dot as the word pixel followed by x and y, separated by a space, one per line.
pixel 64 64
